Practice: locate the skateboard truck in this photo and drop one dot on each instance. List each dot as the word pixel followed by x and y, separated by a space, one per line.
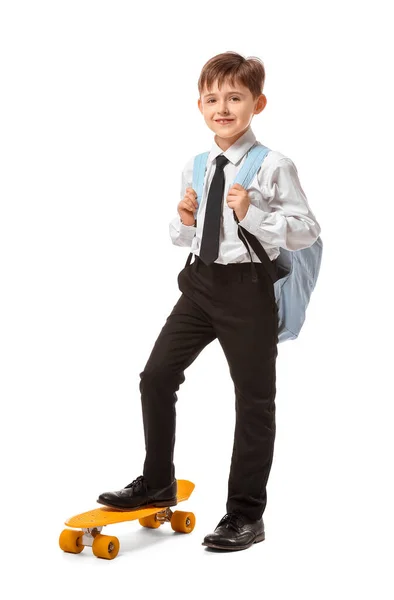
pixel 165 515
pixel 89 533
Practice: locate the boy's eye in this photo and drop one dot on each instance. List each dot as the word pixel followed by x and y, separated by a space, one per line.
pixel 232 98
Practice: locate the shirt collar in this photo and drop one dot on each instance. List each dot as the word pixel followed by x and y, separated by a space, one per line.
pixel 236 150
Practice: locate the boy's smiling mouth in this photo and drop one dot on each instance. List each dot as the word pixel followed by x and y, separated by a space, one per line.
pixel 224 121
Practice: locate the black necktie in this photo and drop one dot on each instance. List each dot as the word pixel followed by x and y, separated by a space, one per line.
pixel 210 236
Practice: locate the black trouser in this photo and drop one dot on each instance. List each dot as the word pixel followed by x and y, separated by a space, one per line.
pixel 218 301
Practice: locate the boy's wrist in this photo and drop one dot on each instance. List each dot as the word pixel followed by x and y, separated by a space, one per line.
pixel 189 225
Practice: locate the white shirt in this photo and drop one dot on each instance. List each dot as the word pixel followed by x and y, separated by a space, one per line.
pixel 278 215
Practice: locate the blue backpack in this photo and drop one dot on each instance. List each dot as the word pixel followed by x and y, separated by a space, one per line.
pixel 294 272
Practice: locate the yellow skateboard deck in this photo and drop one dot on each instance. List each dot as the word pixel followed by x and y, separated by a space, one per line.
pixel 90 524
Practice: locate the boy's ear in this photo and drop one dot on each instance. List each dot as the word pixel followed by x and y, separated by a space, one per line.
pixel 199 103
pixel 260 104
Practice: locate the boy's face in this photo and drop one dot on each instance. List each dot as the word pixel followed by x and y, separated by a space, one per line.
pixel 234 102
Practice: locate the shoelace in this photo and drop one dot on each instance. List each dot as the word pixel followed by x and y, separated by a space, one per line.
pixel 233 519
pixel 137 483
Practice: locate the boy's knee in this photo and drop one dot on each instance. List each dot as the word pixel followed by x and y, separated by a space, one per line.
pixel 159 377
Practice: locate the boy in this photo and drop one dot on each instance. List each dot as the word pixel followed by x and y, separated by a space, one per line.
pixel 220 300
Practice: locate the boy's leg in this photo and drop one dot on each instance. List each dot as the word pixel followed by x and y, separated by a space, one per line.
pixel 248 332
pixel 188 329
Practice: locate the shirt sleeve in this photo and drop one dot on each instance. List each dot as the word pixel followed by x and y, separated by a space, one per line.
pixel 182 235
pixel 289 223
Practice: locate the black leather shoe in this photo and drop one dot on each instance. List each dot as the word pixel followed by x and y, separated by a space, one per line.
pixel 138 495
pixel 235 532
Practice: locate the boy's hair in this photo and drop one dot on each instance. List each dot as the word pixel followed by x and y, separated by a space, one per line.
pixel 233 67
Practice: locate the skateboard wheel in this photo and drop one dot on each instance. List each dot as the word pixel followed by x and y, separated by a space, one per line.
pixel 105 546
pixel 149 522
pixel 182 521
pixel 71 541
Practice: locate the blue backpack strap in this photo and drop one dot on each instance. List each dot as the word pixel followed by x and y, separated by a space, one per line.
pixel 252 164
pixel 245 175
pixel 199 166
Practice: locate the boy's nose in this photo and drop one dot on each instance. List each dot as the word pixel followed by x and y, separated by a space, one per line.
pixel 223 110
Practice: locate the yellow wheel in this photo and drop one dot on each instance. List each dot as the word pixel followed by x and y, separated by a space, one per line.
pixel 71 541
pixel 105 546
pixel 183 522
pixel 149 522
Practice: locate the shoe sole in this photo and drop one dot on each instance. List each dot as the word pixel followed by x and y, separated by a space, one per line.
pixel 159 504
pixel 259 538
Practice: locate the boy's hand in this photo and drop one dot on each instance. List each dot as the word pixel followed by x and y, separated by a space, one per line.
pixel 187 206
pixel 238 200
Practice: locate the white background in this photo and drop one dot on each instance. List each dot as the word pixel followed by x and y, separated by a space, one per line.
pixel 92 95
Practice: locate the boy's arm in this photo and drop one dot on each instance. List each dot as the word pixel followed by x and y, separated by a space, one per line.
pixel 291 224
pixel 182 235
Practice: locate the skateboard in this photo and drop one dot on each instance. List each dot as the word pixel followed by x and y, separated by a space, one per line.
pixel 91 523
